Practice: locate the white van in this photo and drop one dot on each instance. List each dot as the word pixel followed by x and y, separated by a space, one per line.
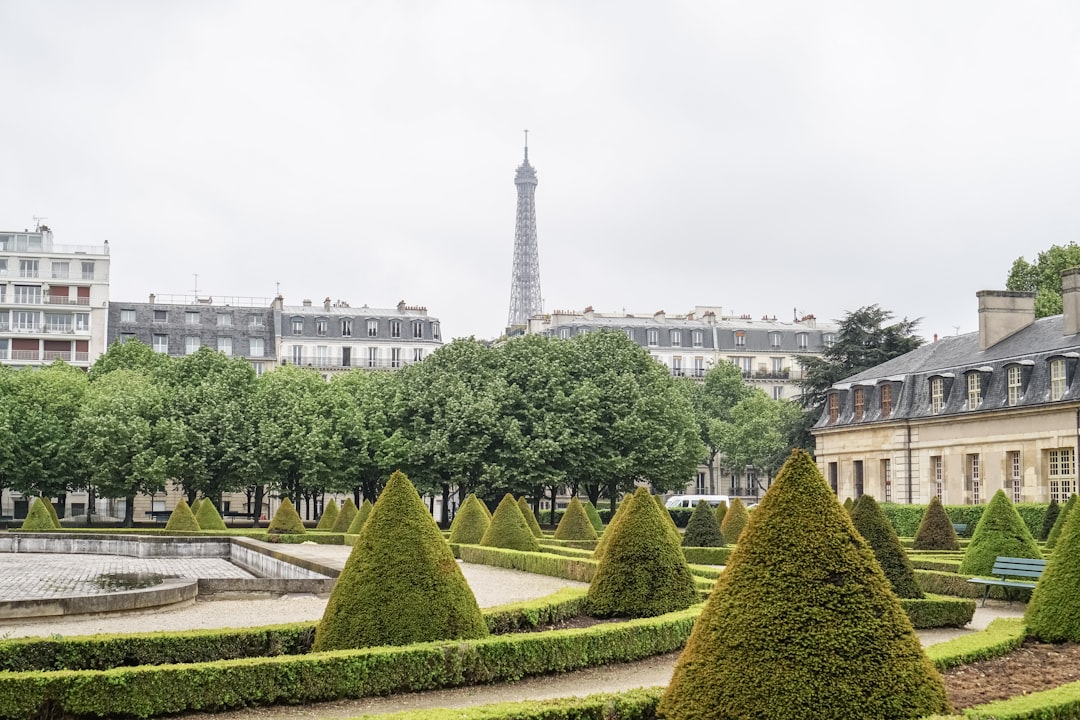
pixel 691 501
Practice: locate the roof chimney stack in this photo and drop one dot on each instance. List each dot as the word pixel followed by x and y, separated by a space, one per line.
pixel 1003 313
pixel 1070 300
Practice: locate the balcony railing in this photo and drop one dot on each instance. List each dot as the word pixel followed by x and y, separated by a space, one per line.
pixel 25 354
pixel 688 372
pixel 51 355
pixel 65 300
pixel 336 363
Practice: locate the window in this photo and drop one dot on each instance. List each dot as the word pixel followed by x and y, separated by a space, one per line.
pixel 695 337
pixel 59 269
pixel 740 338
pixel 886 479
pixel 676 338
pixel 564 333
pixel 255 320
pixel 802 340
pixel 743 363
pixel 191 344
pixel 3 267
pixel 777 365
pixel 224 346
pixel 224 320
pixel 259 367
pixel 372 328
pixel 1016 478
pixel 676 366
pixel 297 326
pixel 937 467
pixel 1014 382
pixel 161 316
pixel 28 294
pixel 23 320
pixel 886 401
pixel 629 334
pixel 974 478
pixel 834 407
pixel 778 392
pixel 417 354
pixel 834 478
pixel 1057 379
pixel 1062 473
pixel 395 357
pixel 161 343
pixel 435 331
pixel 297 354
pixel 653 337
pixel 322 355
pixel 774 339
pixel 699 367
pixel 127 316
pixel 256 347
pixel 860 403
pixel 937 395
pixel 395 329
pixel 372 356
pixel 974 388
pixel 87 270
pixel 191 317
pixel 346 327
pixel 829 339
pixel 320 326
pixel 418 328
pixel 857 467
pixel 126 337
pixel 28 268
pixel 82 321
pixel 58 322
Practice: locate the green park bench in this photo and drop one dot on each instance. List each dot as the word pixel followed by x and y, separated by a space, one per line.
pixel 960 528
pixel 1010 567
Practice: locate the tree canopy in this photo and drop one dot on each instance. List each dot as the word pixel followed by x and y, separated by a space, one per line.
pixel 1043 277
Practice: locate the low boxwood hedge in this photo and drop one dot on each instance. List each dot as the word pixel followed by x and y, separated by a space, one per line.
pixel 1001 636
pixel 949 583
pixel 906 518
pixel 707 555
pixel 936 611
pixel 1059 702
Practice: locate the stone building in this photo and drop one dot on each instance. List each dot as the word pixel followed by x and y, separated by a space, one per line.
pixel 965 416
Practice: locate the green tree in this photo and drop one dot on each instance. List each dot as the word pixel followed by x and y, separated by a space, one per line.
pixel 119 433
pixel 758 434
pixel 1043 277
pixel 131 355
pixel 366 408
pixel 712 401
pixel 864 340
pixel 702 530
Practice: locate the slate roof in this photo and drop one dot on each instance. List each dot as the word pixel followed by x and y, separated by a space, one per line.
pixel 952 359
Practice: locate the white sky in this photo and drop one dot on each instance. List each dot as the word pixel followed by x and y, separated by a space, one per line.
pixel 761 156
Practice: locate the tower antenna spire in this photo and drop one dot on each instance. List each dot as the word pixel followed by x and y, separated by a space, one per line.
pixel 526 145
pixel 525 300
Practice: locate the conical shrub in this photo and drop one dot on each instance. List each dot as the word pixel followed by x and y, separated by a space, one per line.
pixel 1059 523
pixel 936 531
pixel 530 517
pixel 849 504
pixel 361 517
pixel 1001 531
pixel 735 521
pixel 642 572
pixel 52 511
pixel 38 517
pixel 721 511
pixel 470 523
pixel 182 519
pixel 575 523
pixel 208 516
pixel 702 530
pixel 346 514
pixel 876 529
pixel 1053 613
pixel 508 528
pixel 329 516
pixel 1051 516
pixel 401 584
pixel 802 623
pixel 601 545
pixel 286 520
pixel 594 516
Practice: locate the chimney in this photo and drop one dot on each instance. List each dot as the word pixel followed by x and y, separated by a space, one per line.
pixel 588 313
pixel 153 297
pixel 307 302
pixel 1003 313
pixel 401 306
pixel 1070 300
pixel 659 316
pixel 326 303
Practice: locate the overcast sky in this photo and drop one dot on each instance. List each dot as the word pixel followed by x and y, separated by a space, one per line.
pixel 760 156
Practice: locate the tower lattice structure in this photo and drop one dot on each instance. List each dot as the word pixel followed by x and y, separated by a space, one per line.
pixel 525 284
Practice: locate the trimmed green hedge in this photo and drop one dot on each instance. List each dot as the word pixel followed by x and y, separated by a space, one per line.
pixel 937 611
pixel 147 691
pixel 1001 636
pixel 637 704
pixel 580 569
pixel 1060 702
pixel 950 583
pixel 707 555
pixel 906 518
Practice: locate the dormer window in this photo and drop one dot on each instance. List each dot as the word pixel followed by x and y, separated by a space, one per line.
pixel 974 390
pixel 829 339
pixel 937 395
pixel 834 407
pixel 1015 382
pixel 886 401
pixel 775 339
pixel 1057 379
pixel 860 403
pixel 740 338
pixel 676 338
pixel 802 340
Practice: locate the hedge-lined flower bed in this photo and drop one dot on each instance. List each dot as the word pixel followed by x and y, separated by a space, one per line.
pixel 950 583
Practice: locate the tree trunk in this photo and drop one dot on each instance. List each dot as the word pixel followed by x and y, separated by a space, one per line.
pixel 554 491
pixel 129 511
pixel 61 505
pixel 712 472
pixel 445 505
pixel 256 506
pixel 613 491
pixel 593 491
pixel 191 494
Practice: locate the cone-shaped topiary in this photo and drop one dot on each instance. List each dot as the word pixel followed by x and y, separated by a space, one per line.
pixel 286 521
pixel 876 529
pixel 735 521
pixel 530 517
pixel 575 523
pixel 594 516
pixel 470 523
pixel 702 530
pixel 1001 531
pixel 849 504
pixel 346 514
pixel 401 584
pixel 936 531
pixel 601 545
pixel 182 519
pixel 1063 516
pixel 667 516
pixel 802 623
pixel 329 516
pixel 1051 516
pixel 721 511
pixel 52 511
pixel 208 517
pixel 362 515
pixel 508 528
pixel 38 517
pixel 1053 614
pixel 642 572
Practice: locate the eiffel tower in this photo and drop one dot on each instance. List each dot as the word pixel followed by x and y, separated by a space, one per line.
pixel 525 283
